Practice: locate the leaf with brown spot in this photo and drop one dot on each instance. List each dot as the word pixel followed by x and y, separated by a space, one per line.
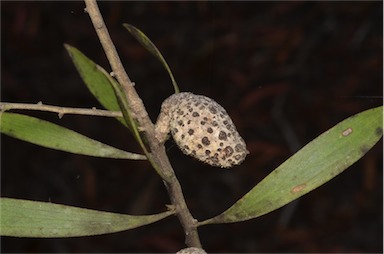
pixel 315 164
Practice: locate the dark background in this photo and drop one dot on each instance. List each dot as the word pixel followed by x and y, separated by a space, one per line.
pixel 285 71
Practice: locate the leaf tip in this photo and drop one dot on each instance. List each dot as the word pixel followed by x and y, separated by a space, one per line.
pixel 67 46
pixel 128 26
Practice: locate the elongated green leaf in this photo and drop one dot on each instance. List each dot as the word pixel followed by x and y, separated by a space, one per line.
pixel 53 136
pixel 319 161
pixel 106 90
pixel 97 81
pixel 123 102
pixel 25 218
pixel 148 44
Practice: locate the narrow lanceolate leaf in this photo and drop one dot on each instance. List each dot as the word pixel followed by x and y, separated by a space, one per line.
pixel 125 109
pixel 25 218
pixel 106 90
pixel 122 100
pixel 97 81
pixel 148 44
pixel 316 163
pixel 47 134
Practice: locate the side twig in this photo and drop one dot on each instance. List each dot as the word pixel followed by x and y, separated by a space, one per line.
pixel 61 111
pixel 158 154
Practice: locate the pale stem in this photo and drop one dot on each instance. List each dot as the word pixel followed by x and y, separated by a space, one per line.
pixel 158 154
pixel 61 111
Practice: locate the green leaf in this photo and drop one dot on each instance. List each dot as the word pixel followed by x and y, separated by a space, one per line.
pixel 43 133
pixel 25 218
pixel 125 109
pixel 106 89
pixel 122 101
pixel 319 161
pixel 97 81
pixel 148 44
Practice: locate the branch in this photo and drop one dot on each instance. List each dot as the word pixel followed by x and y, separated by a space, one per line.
pixel 106 42
pixel 61 111
pixel 158 156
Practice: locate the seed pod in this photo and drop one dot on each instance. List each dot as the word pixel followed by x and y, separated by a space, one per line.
pixel 203 129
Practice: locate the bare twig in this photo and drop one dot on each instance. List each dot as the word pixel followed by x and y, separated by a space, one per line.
pixel 157 156
pixel 61 111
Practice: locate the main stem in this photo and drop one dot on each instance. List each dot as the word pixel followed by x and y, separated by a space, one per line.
pixel 158 154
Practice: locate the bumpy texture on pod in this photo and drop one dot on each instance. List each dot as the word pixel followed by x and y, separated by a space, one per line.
pixel 203 129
